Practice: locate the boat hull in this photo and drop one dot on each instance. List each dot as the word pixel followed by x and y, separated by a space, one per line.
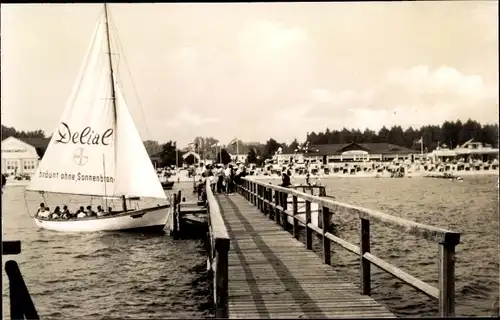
pixel 153 219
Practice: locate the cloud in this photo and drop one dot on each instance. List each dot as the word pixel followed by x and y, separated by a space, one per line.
pixel 486 15
pixel 260 70
pixel 268 36
pixel 188 119
pixel 411 97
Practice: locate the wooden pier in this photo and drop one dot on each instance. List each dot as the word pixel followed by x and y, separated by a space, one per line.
pixel 262 271
pixel 186 216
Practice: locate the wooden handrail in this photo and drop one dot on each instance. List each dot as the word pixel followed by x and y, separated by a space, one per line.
pixel 273 198
pixel 11 247
pixel 218 254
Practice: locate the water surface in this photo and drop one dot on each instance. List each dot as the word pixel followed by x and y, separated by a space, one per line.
pixel 103 275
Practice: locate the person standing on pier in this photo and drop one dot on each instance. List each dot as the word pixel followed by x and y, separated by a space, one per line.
pixel 220 178
pixel 286 180
pixel 227 177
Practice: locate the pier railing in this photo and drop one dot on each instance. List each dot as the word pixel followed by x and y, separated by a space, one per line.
pixel 21 304
pixel 273 199
pixel 218 254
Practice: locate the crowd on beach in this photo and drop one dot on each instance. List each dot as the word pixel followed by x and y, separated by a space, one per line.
pixel 313 171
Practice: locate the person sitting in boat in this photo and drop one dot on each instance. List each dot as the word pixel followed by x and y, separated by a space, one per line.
pixel 43 211
pixel 90 212
pixel 81 213
pixel 57 213
pixel 100 211
pixel 65 213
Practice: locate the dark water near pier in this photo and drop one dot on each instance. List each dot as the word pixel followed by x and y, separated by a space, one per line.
pixel 470 207
pixel 104 275
pixel 122 276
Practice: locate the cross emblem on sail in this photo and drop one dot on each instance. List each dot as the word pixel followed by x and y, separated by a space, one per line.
pixel 96 148
pixel 81 157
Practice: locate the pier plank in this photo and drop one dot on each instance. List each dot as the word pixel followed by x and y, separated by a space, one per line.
pixel 273 275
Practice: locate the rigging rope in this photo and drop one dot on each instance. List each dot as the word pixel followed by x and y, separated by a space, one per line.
pixel 120 48
pixel 26 204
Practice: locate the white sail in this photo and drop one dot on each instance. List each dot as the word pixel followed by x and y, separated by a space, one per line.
pixel 136 175
pixel 86 152
pixel 80 157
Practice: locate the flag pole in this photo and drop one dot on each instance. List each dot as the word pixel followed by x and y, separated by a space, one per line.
pixel 421 146
pixel 197 141
pixel 176 156
pixel 237 150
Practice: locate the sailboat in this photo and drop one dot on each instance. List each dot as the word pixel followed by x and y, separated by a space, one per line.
pixel 97 151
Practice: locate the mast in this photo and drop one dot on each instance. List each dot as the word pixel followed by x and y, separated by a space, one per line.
pixel 112 80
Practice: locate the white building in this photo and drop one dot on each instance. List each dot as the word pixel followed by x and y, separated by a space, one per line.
pixel 468 151
pixel 238 157
pixel 21 156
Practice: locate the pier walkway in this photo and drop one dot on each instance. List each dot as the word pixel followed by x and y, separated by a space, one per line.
pixel 260 270
pixel 272 275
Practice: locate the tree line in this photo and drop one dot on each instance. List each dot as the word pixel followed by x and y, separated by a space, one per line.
pixel 450 134
pixel 12 132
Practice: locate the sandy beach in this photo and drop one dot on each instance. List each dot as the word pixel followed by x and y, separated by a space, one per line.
pixel 182 176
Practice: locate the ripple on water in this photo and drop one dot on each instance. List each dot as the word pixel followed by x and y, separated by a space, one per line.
pixel 104 275
pixel 117 276
pixel 470 207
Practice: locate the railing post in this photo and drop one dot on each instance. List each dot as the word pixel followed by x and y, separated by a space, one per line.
pixel 255 195
pixel 259 198
pixel 221 278
pixel 245 188
pixel 308 230
pixel 277 202
pixel 295 221
pixel 326 241
pixel 175 226
pixel 252 187
pixel 264 197
pixel 255 192
pixel 269 197
pixel 250 192
pixel 364 263
pixel 446 265
pixel 284 204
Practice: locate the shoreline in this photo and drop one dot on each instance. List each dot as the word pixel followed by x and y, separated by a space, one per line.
pixel 183 178
pixel 374 175
pixel 378 175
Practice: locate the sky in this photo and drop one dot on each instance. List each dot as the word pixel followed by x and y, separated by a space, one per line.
pixel 259 70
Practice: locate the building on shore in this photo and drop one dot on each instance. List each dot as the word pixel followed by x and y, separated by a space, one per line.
pixel 21 155
pixel 288 155
pixel 240 153
pixel 467 152
pixel 358 152
pixel 197 157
